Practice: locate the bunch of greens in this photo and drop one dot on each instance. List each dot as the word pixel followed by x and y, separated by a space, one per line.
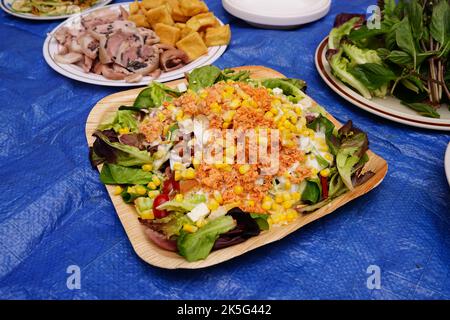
pixel 406 57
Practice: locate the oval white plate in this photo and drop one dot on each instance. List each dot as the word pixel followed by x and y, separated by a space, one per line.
pixel 447 163
pixel 6 5
pixel 279 13
pixel 389 107
pixel 74 72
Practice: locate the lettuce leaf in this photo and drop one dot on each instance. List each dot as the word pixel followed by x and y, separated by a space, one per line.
pixel 115 174
pixel 185 205
pixel 122 119
pixel 198 245
pixel 290 88
pixel 155 95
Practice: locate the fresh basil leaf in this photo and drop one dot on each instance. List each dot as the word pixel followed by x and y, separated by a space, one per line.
pixel 422 109
pixel 415 15
pixel 405 39
pixel 115 174
pixel 372 75
pixel 440 22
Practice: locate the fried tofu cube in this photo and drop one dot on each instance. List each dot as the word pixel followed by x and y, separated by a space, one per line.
pixel 193 45
pixel 202 21
pixel 140 20
pixel 134 7
pixel 167 34
pixel 218 36
pixel 180 26
pixel 177 14
pixel 159 15
pixel 191 8
pixel 185 31
pixel 150 4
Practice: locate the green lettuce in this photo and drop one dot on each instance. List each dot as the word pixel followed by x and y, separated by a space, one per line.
pixel 197 246
pixel 115 174
pixel 154 96
pixel 185 205
pixel 122 119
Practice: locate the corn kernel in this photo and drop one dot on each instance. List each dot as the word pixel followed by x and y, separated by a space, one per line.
pixel 278 198
pixel 153 194
pixel 228 116
pixel 238 189
pixel 286 196
pixel 147 167
pixel 296 196
pixel 177 175
pixel 288 185
pixel 274 110
pixel 140 190
pixel 218 197
pixel 268 115
pixel 298 110
pixel 156 180
pixel 125 130
pixel 189 173
pixel 204 94
pixel 267 198
pixel 243 169
pixel 196 163
pixel 267 205
pixel 148 215
pixel 325 172
pixel 179 197
pixel 170 107
pixel 190 228
pixel 250 203
pixel 291 215
pixel 215 107
pixel 118 190
pixel 200 223
pixel 151 185
pixel 225 125
pixel 328 157
pixel 178 166
pixel 213 204
pixel 293 118
pixel 161 116
pixel 287 204
pixel 131 190
pixel 235 103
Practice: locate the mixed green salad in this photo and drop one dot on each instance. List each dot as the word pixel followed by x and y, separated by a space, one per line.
pixel 406 56
pixel 191 206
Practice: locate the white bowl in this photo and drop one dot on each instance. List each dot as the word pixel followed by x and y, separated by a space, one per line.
pixel 277 13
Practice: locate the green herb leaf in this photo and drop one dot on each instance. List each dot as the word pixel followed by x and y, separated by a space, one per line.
pixel 372 75
pixel 405 40
pixel 155 95
pixel 422 109
pixel 440 22
pixel 312 191
pixel 203 77
pixel 415 15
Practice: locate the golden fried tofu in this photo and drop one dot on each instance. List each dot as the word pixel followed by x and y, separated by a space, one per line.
pixel 202 21
pixel 185 31
pixel 218 36
pixel 150 4
pixel 140 20
pixel 191 8
pixel 180 25
pixel 167 34
pixel 159 15
pixel 193 45
pixel 134 7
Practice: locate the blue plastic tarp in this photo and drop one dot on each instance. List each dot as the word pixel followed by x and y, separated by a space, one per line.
pixel 54 212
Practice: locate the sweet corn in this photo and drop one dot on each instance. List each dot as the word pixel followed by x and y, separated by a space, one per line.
pixel 147 167
pixel 161 117
pixel 166 129
pixel 153 194
pixel 218 196
pixel 140 190
pixel 213 204
pixel 325 172
pixel 189 173
pixel 243 169
pixel 178 166
pixel 151 185
pixel 200 223
pixel 189 228
pixel 228 116
pixel 328 157
pixel 179 116
pixel 250 203
pixel 296 196
pixel 204 94
pixel 267 205
pixel 238 189
pixel 156 180
pixel 131 190
pixel 118 190
pixel 291 215
pixel 124 130
pixel 177 175
pixel 267 198
pixel 268 115
pixel 298 111
pixel 196 163
pixel 288 185
pixel 293 118
pixel 274 110
pixel 170 107
pixel 215 107
pixel 225 125
pixel 279 198
pixel 235 104
pixel 286 196
pixel 179 197
pixel 287 204
pixel 147 215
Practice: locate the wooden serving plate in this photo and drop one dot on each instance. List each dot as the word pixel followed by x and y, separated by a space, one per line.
pixel 170 260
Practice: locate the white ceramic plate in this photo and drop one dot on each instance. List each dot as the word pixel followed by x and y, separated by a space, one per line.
pixel 389 107
pixel 75 72
pixel 6 5
pixel 447 163
pixel 277 13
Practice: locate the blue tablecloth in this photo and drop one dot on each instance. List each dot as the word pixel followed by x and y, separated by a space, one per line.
pixel 54 212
